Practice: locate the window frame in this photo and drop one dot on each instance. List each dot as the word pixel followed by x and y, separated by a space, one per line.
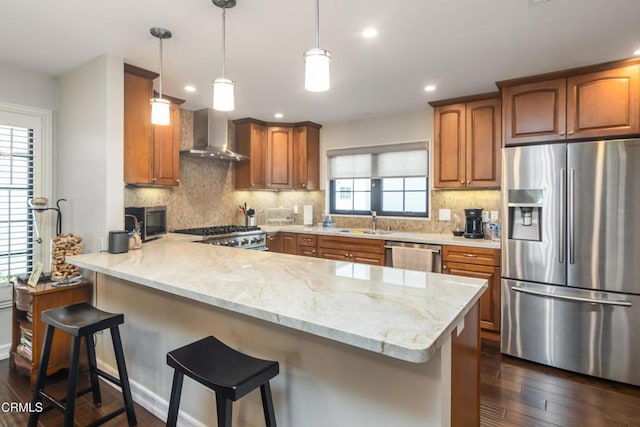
pixel 41 121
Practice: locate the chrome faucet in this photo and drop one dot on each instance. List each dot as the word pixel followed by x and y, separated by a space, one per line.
pixel 373 220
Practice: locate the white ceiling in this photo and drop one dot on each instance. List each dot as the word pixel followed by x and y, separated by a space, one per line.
pixel 462 46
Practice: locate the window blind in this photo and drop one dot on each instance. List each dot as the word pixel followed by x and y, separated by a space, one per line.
pixel 380 161
pixel 16 187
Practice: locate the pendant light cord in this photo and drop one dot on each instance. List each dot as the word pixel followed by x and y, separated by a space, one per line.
pixel 224 32
pixel 160 85
pixel 317 24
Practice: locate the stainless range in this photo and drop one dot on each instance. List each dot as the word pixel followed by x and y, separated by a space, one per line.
pixel 237 236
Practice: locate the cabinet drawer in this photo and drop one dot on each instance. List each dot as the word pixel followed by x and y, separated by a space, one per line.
pixel 351 244
pixel 470 255
pixel 307 240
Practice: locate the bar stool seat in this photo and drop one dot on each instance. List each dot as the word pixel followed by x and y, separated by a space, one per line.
pixel 228 372
pixel 82 321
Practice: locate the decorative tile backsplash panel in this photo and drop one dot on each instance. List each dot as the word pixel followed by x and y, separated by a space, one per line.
pixel 206 196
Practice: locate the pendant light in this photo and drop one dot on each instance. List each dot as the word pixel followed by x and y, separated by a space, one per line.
pixel 160 114
pixel 316 63
pixel 223 87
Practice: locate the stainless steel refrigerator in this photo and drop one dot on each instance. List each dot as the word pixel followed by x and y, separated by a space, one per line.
pixel 571 256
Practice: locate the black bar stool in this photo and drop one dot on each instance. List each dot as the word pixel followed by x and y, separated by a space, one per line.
pixel 82 320
pixel 226 371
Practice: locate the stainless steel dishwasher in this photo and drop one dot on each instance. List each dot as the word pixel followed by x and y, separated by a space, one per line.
pixel 436 251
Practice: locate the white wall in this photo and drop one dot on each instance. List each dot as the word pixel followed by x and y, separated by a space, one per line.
pixel 406 127
pixel 89 149
pixel 27 88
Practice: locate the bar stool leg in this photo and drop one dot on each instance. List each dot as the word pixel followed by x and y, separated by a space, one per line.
pixel 267 405
pixel 72 386
pixel 174 403
pixel 224 408
pixel 42 373
pixel 124 378
pixel 91 355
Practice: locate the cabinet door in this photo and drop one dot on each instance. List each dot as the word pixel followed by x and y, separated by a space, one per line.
pixel 448 148
pixel 251 140
pixel 138 151
pixel 288 243
pixel 274 242
pixel 306 158
pixel 605 103
pixel 490 300
pixel 534 112
pixel 166 150
pixel 483 143
pixel 279 157
pixel 335 254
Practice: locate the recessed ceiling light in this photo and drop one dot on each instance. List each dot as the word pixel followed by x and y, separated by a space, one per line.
pixel 429 88
pixel 189 88
pixel 637 52
pixel 278 115
pixel 370 33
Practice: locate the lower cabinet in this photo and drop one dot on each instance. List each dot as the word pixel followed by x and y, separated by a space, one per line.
pixel 352 249
pixel 307 245
pixel 479 263
pixel 274 242
pixel 288 243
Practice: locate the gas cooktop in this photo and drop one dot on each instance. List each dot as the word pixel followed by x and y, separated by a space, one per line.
pixel 218 230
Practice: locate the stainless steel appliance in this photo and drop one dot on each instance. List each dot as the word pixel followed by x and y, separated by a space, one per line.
pixel 570 256
pixel 152 220
pixel 473 226
pixel 237 236
pixel 434 251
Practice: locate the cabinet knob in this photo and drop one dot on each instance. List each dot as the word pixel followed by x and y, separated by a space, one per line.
pixel 153 180
pixel 468 182
pixel 444 266
pixel 178 181
pixel 561 133
pixel 313 251
pixel 304 185
pixel 570 132
pixel 462 182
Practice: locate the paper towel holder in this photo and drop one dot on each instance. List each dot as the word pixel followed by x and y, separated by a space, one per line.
pixel 307 218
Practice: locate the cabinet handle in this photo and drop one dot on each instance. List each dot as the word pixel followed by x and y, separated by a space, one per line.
pixel 304 185
pixel 444 266
pixel 462 182
pixel 313 251
pixel 153 180
pixel 468 182
pixel 561 133
pixel 470 255
pixel 178 181
pixel 346 255
pixel 570 132
pixel 306 239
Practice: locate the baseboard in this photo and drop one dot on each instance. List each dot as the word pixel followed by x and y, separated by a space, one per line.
pixel 5 351
pixel 149 400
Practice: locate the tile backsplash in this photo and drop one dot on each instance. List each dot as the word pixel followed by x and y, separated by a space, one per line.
pixel 206 196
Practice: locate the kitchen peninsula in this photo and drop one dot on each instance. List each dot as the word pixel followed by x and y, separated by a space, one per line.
pixel 358 345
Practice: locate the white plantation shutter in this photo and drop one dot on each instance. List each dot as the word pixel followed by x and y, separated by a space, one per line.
pixel 16 187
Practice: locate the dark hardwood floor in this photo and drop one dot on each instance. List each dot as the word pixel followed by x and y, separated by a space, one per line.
pixel 513 393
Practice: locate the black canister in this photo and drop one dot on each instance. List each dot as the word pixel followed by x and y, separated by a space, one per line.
pixel 118 242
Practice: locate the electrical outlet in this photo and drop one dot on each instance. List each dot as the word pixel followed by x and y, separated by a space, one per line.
pixel 494 215
pixel 444 215
pixel 485 216
pixel 295 209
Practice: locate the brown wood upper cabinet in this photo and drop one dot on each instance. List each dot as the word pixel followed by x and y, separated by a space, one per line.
pixel 572 104
pixel 282 156
pixel 466 150
pixel 151 153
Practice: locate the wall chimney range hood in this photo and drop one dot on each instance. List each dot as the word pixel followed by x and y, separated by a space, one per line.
pixel 211 137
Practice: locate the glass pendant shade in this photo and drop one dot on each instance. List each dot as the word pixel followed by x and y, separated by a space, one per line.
pixel 316 70
pixel 160 111
pixel 223 94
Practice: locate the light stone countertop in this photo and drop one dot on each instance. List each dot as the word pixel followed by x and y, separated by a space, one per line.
pixel 397 236
pixel 399 313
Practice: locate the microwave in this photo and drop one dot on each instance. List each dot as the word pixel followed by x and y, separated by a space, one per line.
pixel 152 220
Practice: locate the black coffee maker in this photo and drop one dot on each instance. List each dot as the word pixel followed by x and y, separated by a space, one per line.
pixel 474 228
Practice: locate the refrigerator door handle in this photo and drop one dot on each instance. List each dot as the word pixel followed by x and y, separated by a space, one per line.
pixel 571 214
pixel 563 224
pixel 572 298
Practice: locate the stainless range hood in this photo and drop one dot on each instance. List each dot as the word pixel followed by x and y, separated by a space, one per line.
pixel 211 136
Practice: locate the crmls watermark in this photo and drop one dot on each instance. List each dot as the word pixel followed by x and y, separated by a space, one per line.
pixel 21 407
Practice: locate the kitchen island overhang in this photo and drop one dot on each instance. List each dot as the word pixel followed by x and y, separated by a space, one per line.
pixel 392 316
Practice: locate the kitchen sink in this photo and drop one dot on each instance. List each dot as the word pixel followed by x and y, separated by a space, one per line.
pixel 361 231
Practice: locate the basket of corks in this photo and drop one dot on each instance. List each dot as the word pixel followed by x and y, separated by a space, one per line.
pixel 64 245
